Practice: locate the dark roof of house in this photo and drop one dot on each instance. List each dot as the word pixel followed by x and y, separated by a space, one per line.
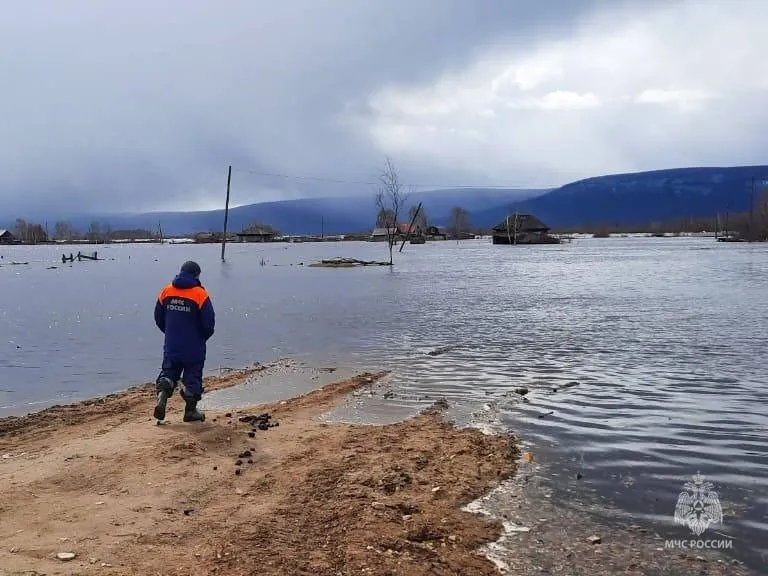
pixel 525 223
pixel 4 232
pixel 256 231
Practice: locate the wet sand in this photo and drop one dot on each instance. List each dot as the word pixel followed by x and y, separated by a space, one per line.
pixel 101 480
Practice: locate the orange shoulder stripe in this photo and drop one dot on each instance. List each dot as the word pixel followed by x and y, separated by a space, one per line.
pixel 197 294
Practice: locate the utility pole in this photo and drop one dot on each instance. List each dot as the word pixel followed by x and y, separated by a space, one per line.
pixel 226 214
pixel 410 226
pixel 751 207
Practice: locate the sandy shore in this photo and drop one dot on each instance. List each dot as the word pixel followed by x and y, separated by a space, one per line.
pixel 99 479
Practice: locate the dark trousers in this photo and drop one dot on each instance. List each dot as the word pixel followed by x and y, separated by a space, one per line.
pixel 191 374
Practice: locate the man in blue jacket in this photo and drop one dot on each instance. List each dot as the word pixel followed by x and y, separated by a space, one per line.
pixel 184 313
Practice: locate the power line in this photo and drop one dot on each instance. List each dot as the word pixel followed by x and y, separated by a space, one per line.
pixel 365 183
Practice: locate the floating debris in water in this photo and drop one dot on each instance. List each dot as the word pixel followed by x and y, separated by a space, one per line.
pixel 346 263
pixel 442 350
pixel 564 386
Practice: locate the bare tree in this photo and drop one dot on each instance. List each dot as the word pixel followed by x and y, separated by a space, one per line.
pixel 390 200
pixel 30 233
pixel 94 232
pixel 458 222
pixel 22 230
pixel 760 218
pixel 63 231
pixel 37 234
pixel 383 217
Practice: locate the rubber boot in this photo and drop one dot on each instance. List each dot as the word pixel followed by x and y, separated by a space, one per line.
pixel 164 387
pixel 191 413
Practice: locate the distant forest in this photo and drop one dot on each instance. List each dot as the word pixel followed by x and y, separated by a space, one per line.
pixel 750 224
pixel 36 233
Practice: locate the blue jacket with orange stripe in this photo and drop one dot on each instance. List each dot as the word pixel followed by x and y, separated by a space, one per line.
pixel 184 313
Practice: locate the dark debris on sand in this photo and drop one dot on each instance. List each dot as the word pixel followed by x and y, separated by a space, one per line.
pixel 260 422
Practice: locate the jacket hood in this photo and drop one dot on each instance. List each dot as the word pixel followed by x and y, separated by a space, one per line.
pixel 184 280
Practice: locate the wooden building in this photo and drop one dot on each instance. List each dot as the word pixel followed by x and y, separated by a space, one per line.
pixel 6 237
pixel 379 234
pixel 522 229
pixel 436 233
pixel 256 234
pixel 409 230
pixel 400 232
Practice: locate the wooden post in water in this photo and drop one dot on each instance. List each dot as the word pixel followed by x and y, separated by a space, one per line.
pixel 226 214
pixel 408 232
pixel 751 206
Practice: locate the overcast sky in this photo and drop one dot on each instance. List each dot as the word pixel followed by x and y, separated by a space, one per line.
pixel 141 105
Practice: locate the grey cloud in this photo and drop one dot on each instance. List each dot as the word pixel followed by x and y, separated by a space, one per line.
pixel 142 105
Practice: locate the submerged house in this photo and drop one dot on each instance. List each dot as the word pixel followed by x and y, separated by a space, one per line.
pixel 256 234
pixel 6 237
pixel 436 233
pixel 409 230
pixel 522 229
pixel 379 234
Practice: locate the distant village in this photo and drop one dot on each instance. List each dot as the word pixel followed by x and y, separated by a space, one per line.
pixel 253 233
pixel 514 229
pixel 388 228
pixel 416 231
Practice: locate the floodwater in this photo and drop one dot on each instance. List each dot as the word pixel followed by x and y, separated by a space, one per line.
pixel 666 339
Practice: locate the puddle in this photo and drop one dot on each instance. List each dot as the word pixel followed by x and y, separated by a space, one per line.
pixel 280 381
pixel 376 404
